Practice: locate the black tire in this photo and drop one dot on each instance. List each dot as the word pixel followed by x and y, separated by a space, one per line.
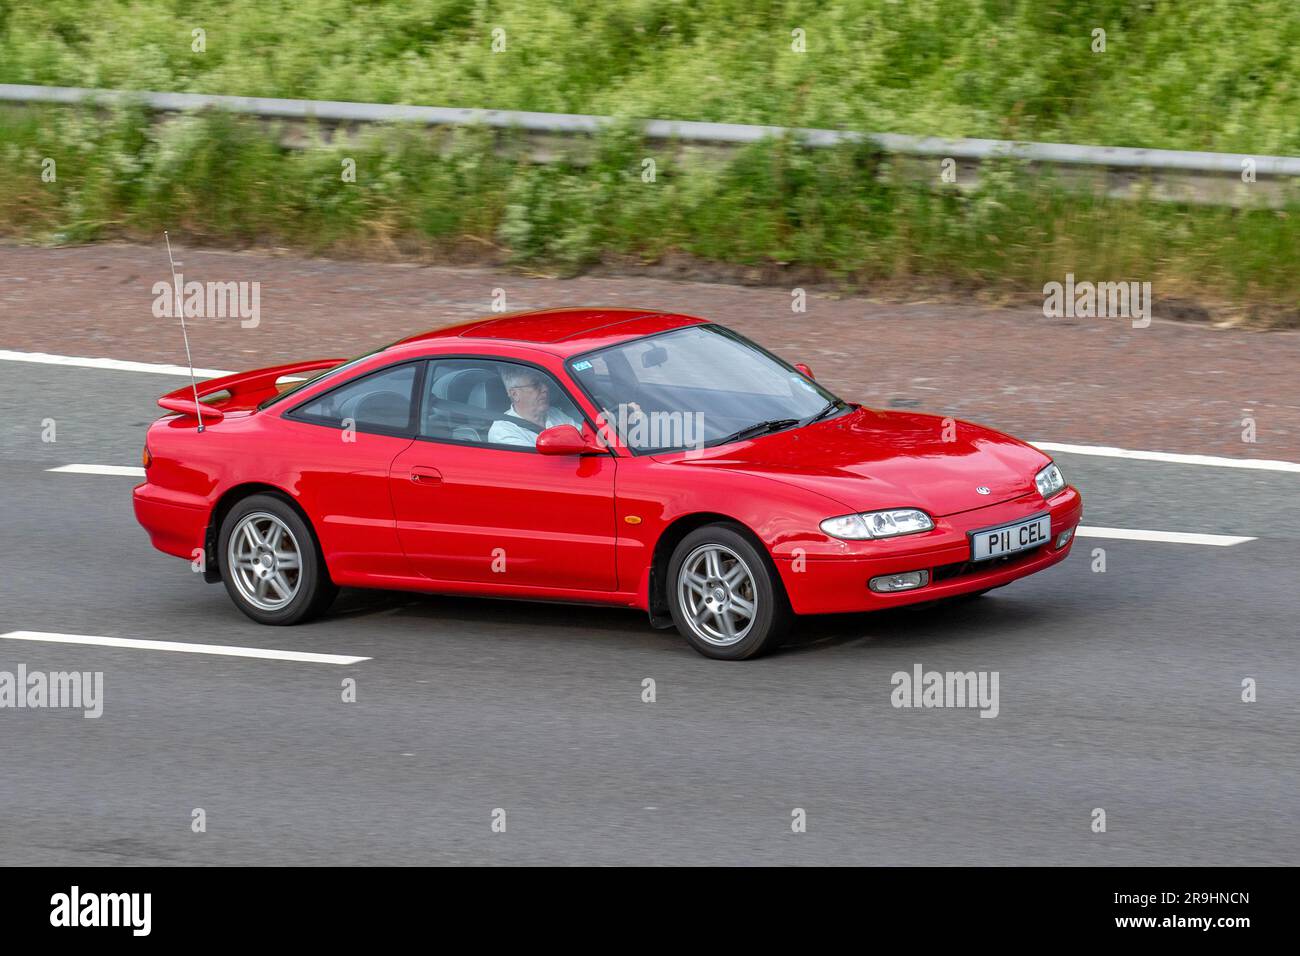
pixel 311 592
pixel 759 585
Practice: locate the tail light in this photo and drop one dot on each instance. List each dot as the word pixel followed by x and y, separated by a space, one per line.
pixel 146 459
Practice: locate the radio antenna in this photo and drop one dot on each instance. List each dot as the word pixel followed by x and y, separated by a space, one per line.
pixel 180 308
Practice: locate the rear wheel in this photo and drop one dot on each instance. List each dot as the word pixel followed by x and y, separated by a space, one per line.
pixel 271 564
pixel 724 595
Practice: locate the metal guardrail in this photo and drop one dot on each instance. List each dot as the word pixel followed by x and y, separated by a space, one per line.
pixel 1178 175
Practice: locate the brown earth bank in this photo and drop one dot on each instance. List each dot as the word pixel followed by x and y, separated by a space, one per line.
pixel 1173 386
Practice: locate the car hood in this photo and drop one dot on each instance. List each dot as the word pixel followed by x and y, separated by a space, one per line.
pixel 870 460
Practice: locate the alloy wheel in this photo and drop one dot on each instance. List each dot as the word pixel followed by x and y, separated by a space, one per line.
pixel 717 594
pixel 265 561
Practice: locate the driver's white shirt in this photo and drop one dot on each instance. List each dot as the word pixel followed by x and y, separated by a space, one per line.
pixel 508 433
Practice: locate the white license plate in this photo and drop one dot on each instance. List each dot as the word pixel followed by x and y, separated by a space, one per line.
pixel 1009 538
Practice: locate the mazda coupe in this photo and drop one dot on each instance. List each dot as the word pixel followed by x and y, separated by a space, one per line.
pixel 591 455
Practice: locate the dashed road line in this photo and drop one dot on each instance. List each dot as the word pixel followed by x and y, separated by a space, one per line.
pixel 1099 451
pixel 1166 537
pixel 116 365
pixel 180 647
pixel 1213 461
pixel 1083 531
pixel 134 471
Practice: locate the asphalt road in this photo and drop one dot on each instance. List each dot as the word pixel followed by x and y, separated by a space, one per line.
pixel 1119 690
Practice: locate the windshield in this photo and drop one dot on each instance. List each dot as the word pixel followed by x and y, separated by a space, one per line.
pixel 695 387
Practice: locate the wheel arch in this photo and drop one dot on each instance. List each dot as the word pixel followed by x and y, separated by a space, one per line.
pixel 671 536
pixel 233 496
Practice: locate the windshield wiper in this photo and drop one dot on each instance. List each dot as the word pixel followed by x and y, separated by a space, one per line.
pixel 761 428
pixel 833 406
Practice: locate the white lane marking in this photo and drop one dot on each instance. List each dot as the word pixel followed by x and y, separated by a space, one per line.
pixel 134 471
pixel 182 648
pixel 116 365
pixel 1101 451
pixel 1083 531
pixel 1167 537
pixel 1214 461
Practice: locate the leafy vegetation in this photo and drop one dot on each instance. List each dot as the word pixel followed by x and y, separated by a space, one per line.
pixel 1216 74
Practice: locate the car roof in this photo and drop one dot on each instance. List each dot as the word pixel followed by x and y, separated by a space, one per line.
pixel 559 331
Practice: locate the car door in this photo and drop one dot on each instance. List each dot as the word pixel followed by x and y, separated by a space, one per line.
pixel 337 448
pixel 476 511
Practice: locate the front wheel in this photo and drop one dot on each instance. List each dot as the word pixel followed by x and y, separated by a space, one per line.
pixel 270 563
pixel 725 597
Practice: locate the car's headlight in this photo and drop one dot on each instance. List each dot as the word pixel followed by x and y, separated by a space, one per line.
pixel 1049 481
pixel 878 524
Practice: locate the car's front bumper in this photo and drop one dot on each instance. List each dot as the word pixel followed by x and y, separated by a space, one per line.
pixel 826 585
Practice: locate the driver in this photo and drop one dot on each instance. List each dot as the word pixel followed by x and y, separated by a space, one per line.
pixel 530 401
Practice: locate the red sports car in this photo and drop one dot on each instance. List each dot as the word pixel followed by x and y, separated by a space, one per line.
pixel 617 456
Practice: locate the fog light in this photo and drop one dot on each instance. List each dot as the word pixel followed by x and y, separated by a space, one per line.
pixel 907 581
pixel 1063 538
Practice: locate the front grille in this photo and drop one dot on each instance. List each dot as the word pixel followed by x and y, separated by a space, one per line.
pixel 946 572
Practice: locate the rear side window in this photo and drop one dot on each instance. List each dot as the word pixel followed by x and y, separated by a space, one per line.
pixel 335 372
pixel 378 402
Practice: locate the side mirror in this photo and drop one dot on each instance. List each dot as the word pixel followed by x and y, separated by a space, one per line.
pixel 803 370
pixel 565 440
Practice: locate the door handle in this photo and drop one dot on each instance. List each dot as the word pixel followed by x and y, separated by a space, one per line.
pixel 424 475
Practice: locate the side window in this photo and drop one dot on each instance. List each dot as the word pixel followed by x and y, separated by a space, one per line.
pixel 380 401
pixel 489 402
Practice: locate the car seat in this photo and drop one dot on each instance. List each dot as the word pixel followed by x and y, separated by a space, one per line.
pixel 465 403
pixel 383 409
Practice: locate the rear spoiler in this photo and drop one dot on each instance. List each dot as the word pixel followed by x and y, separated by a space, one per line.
pixel 244 390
